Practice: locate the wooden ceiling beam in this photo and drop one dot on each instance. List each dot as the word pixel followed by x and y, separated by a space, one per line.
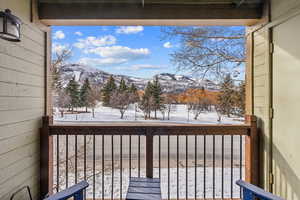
pixel 52 12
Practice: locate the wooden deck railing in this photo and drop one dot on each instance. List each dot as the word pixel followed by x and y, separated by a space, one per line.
pixel 193 161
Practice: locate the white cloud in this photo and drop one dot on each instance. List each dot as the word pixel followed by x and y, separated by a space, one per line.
pixel 144 66
pixel 129 29
pixel 58 48
pixel 78 33
pixel 92 42
pixel 120 52
pixel 112 55
pixel 109 54
pixel 168 45
pixel 138 67
pixel 101 62
pixel 59 35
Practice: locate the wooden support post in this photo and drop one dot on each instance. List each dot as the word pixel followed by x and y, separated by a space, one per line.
pixel 46 159
pixel 249 73
pixel 251 152
pixel 149 154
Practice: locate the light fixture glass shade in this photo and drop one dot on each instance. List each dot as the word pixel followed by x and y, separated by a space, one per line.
pixel 9 26
pixel 13 29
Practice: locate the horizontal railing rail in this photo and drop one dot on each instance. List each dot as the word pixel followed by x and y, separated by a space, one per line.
pixel 192 161
pixel 87 129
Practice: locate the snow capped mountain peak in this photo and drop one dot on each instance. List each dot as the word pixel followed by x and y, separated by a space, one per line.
pixel 169 82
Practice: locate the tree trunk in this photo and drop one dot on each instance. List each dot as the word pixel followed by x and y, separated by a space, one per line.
pixel 62 114
pixel 155 117
pixel 134 111
pixel 122 114
pixel 93 111
pixel 196 116
pixel 86 109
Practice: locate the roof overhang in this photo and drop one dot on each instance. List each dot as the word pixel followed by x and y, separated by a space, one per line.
pixel 150 12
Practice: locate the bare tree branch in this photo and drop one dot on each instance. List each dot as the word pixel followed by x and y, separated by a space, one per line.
pixel 207 50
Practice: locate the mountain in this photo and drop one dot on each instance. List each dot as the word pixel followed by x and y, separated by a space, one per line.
pixel 169 82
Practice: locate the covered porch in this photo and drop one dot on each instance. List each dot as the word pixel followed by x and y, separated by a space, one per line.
pixel 262 151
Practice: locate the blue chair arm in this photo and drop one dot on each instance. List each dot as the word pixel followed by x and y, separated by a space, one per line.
pixel 251 191
pixel 75 191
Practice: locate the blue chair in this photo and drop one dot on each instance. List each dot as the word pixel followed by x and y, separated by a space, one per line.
pixel 250 192
pixel 75 191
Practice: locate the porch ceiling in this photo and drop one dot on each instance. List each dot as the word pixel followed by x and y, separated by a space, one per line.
pixel 150 12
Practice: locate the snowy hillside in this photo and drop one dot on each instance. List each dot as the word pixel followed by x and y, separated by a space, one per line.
pixel 169 82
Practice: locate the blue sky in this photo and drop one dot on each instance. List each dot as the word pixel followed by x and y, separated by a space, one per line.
pixel 128 50
pixel 131 50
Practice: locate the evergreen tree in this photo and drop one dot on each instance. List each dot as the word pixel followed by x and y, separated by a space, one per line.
pixel 107 90
pixel 240 96
pixel 132 88
pixel 85 91
pixel 123 87
pixel 226 96
pixel 156 92
pixel 72 90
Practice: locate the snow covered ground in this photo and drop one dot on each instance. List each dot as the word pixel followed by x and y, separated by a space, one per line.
pixel 209 182
pixel 178 115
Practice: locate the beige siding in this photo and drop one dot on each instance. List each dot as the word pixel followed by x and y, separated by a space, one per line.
pixel 261 95
pixel 286 103
pixel 280 8
pixel 286 184
pixel 21 103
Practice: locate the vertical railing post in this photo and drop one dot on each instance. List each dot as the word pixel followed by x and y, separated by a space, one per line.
pixel 46 158
pixel 251 152
pixel 149 153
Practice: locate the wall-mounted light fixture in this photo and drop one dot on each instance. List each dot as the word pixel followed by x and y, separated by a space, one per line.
pixel 9 26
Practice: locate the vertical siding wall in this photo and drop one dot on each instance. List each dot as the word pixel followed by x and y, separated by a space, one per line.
pixel 281 12
pixel 261 96
pixel 21 103
pixel 285 157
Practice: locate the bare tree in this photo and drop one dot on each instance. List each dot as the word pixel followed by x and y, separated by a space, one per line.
pixel 163 111
pixel 189 107
pixel 59 59
pixel 93 98
pixel 198 107
pixel 208 50
pixel 62 101
pixel 170 104
pixel 121 101
pixel 219 112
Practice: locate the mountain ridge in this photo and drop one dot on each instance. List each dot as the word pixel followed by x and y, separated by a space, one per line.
pixel 169 82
